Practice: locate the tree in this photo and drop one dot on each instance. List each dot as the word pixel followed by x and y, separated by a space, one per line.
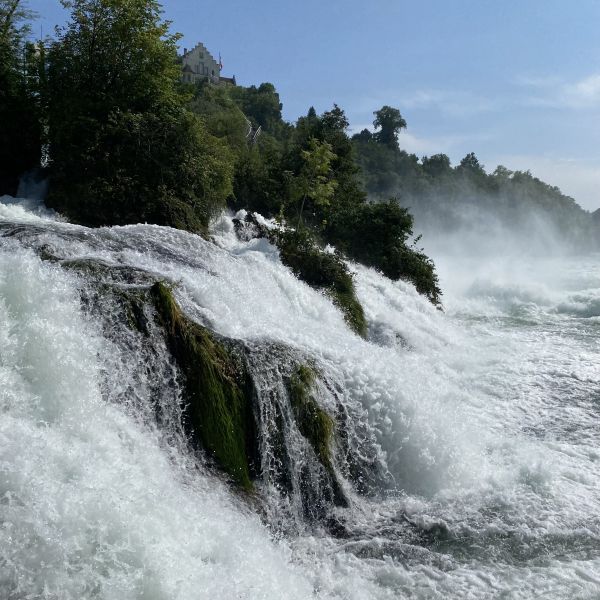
pixel 335 120
pixel 123 146
pixel 363 137
pixel 377 235
pixel 260 104
pixel 390 121
pixel 470 165
pixel 314 182
pixel 20 131
pixel 502 173
pixel 436 165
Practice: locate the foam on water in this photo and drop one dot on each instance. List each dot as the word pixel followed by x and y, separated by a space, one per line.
pixel 485 417
pixel 91 504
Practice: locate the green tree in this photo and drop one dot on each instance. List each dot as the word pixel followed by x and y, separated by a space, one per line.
pixel 314 181
pixel 261 105
pixel 470 165
pixel 123 146
pixel 390 122
pixel 20 130
pixel 436 165
pixel 365 136
pixel 377 234
pixel 335 120
pixel 502 173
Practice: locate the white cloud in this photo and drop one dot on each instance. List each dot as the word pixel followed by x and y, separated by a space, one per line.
pixel 542 81
pixel 552 92
pixel 453 103
pixel 449 102
pixel 585 92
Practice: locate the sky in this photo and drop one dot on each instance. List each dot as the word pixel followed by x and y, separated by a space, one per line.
pixel 515 81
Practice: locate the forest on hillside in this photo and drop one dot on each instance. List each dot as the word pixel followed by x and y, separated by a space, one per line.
pixel 122 140
pixel 448 199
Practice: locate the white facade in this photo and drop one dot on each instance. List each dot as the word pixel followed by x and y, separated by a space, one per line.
pixel 199 65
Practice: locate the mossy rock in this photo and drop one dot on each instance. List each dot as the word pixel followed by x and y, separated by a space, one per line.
pixel 315 424
pixel 352 309
pixel 133 302
pixel 219 403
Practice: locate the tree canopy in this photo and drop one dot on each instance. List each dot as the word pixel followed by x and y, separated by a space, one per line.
pixel 20 119
pixel 123 145
pixel 390 122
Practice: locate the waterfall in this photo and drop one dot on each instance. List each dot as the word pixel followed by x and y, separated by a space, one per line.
pixel 437 474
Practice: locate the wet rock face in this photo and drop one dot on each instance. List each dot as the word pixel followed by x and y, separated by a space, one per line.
pixel 262 414
pixel 217 388
pixel 249 228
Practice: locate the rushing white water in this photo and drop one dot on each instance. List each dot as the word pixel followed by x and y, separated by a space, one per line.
pixel 483 420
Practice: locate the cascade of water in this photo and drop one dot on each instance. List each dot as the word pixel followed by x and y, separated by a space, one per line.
pixel 464 459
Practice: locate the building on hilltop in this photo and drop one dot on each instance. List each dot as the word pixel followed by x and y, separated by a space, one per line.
pixel 198 64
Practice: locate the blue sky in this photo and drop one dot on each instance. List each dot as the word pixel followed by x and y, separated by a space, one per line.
pixel 516 82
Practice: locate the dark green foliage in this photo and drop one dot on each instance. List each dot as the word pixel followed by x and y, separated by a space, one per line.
pixel 382 243
pixel 146 167
pixel 322 270
pixel 313 422
pixel 123 147
pixel 383 168
pixel 470 165
pixel 20 108
pixel 229 114
pixel 221 115
pixel 390 122
pixel 437 165
pixel 261 105
pixel 219 405
pixel 259 183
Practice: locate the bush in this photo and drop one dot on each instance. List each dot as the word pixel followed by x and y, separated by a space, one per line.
pixel 322 270
pixel 161 168
pixel 376 234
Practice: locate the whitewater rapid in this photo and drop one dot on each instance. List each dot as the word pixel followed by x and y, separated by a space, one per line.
pixel 484 420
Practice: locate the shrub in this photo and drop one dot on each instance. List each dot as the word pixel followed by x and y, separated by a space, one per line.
pixel 322 270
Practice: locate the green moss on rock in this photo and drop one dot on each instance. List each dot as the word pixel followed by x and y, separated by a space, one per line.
pixel 345 299
pixel 313 422
pixel 216 393
pixel 133 304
